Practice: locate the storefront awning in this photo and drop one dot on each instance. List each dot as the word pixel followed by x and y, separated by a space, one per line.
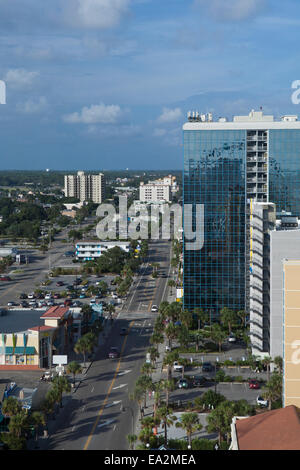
pixel 19 350
pixel 30 350
pixel 9 350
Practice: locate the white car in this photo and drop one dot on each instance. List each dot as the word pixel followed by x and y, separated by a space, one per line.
pixel 177 367
pixel 231 339
pixel 154 308
pixel 48 297
pixel 261 401
pixel 31 296
pixel 114 296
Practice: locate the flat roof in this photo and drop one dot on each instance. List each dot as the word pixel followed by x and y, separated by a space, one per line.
pixel 17 321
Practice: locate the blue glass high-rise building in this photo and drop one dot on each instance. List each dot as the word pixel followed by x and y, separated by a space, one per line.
pixel 226 165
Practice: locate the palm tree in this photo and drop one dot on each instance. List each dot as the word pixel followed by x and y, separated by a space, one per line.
pixel 168 361
pixel 18 423
pixel 171 283
pixel 145 383
pixel 228 317
pixel 138 396
pixel 273 389
pixel 11 406
pixel 167 386
pixel 37 419
pixel 131 438
pixel 186 318
pixel 156 339
pixel 74 368
pixel 201 316
pixel 278 363
pixel 267 362
pixel 190 423
pixel 218 335
pixel 242 316
pixel 61 384
pixel 147 369
pixel 219 420
pixel 171 333
pixel 83 346
pixel 164 415
pixel 154 355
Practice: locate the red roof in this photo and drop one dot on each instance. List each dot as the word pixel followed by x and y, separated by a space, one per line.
pixel 42 328
pixel 272 430
pixel 55 312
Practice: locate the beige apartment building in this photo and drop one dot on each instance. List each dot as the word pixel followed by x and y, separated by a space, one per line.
pixel 291 386
pixel 85 187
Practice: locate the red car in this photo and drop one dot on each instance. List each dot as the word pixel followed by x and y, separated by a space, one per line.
pixel 253 384
pixel 5 278
pixel 113 353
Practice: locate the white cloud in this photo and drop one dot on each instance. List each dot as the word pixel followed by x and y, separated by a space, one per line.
pixel 96 113
pixel 20 78
pixel 123 130
pixel 100 14
pixel 170 115
pixel 31 106
pixel 232 10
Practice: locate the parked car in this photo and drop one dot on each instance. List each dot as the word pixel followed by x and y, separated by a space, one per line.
pixel 60 283
pixel 22 296
pixel 262 401
pixel 254 384
pixel 67 302
pixel 11 304
pixel 207 367
pixel 183 383
pixel 154 308
pixel 177 367
pixel 24 304
pixel 199 381
pixel 77 303
pixel 114 296
pixel 231 338
pixel 82 296
pixel 48 296
pixel 5 278
pixel 113 353
pixel 31 295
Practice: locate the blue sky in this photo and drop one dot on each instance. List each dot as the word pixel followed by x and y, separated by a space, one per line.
pixel 106 84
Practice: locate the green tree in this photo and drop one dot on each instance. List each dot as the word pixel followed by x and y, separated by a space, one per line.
pixel 164 414
pixel 131 438
pixel 190 423
pixel 37 419
pixel 219 420
pixel 273 389
pixel 228 317
pixel 11 406
pixel 62 385
pixel 218 335
pixel 74 368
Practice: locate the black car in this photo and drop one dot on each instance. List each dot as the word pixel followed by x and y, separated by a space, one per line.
pixel 23 296
pixel 207 367
pixel 198 381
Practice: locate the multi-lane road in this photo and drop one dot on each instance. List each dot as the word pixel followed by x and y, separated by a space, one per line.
pixel 100 414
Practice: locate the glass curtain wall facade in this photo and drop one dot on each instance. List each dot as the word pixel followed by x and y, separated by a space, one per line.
pixel 284 170
pixel 215 176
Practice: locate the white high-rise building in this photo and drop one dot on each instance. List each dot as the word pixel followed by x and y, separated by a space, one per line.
pixel 85 187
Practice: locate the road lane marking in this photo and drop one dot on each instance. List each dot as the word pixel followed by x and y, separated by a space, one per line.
pixel 120 386
pixel 124 372
pixel 108 393
pixel 105 423
pixel 113 403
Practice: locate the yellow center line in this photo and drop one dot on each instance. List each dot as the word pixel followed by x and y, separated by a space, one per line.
pixel 108 393
pixel 151 301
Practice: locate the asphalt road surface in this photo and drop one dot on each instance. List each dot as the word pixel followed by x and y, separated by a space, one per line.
pixel 100 414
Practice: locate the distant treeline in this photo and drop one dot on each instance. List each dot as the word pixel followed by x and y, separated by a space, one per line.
pixel 46 178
